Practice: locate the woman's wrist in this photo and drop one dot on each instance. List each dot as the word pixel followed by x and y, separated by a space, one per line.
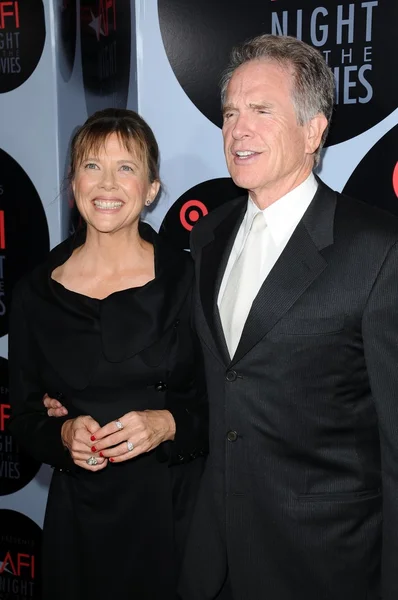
pixel 65 433
pixel 163 424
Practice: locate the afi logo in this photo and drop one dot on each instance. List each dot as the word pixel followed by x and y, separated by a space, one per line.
pixel 9 14
pixel 4 415
pixel 106 17
pixel 17 564
pixel 107 11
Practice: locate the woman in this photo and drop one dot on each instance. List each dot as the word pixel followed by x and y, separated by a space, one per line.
pixel 104 326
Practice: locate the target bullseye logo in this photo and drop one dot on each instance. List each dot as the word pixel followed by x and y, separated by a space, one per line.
pixel 395 180
pixel 191 212
pixel 193 205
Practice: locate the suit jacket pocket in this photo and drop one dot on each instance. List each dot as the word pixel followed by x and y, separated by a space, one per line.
pixel 310 326
pixel 341 496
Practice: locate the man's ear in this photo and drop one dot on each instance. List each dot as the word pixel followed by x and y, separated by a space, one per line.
pixel 315 128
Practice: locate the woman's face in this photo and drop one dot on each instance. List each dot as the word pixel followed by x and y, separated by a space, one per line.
pixel 111 189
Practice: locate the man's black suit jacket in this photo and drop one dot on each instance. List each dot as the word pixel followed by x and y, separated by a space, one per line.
pixel 299 500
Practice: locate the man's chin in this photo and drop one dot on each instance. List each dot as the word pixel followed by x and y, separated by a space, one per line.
pixel 245 183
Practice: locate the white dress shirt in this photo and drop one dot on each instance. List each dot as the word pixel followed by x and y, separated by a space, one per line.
pixel 282 218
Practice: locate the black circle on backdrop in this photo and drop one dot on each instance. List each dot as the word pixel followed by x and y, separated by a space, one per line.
pixel 24 238
pixel 198 36
pixel 22 37
pixel 375 180
pixel 17 468
pixel 67 15
pixel 20 560
pixel 194 204
pixel 105 46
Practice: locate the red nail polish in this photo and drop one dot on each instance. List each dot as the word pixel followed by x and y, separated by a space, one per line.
pixel 101 455
pixel 111 460
pixel 93 449
pixel 93 438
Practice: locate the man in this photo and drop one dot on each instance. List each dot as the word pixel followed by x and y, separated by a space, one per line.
pixel 297 310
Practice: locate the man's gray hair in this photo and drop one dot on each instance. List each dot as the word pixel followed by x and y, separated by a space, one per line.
pixel 313 81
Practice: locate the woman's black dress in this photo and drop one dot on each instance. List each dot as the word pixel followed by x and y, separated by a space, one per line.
pixel 117 533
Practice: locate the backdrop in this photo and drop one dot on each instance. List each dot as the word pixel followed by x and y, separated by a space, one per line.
pixel 60 60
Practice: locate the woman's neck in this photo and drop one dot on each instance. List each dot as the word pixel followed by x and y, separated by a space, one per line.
pixel 112 252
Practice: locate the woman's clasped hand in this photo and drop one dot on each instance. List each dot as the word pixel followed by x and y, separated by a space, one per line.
pixel 92 446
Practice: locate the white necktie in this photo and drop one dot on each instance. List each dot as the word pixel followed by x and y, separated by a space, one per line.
pixel 243 285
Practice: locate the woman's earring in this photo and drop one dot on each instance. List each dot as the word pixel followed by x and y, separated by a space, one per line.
pixel 147 202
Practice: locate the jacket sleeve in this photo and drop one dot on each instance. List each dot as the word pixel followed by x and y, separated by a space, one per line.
pixel 191 415
pixel 189 407
pixel 37 433
pixel 380 337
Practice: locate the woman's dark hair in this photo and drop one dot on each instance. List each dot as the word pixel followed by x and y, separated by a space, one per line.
pixel 133 132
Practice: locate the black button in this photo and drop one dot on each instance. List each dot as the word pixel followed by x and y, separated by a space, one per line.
pixel 232 436
pixel 160 386
pixel 59 396
pixel 180 457
pixel 231 376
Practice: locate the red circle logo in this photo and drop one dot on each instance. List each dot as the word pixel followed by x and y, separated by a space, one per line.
pixel 191 212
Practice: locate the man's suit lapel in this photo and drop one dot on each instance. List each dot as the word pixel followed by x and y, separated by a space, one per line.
pixel 213 264
pixel 299 265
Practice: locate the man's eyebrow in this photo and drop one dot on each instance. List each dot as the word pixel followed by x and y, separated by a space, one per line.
pixel 227 108
pixel 260 105
pixel 253 105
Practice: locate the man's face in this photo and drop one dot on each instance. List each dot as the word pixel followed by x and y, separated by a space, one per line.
pixel 267 151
